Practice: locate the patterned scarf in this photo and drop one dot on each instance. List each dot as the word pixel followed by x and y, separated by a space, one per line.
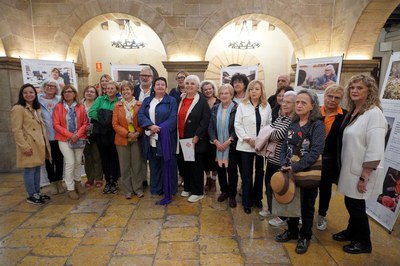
pixel 71 117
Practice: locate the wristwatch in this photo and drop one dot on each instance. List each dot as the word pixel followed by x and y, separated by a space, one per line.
pixel 362 179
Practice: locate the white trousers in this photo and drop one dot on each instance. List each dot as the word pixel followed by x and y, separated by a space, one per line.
pixel 73 164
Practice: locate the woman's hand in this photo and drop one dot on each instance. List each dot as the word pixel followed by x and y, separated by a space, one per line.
pixel 362 185
pixel 286 168
pixel 251 142
pixel 74 138
pixel 133 136
pixel 154 129
pixel 222 146
pixel 28 152
pixel 195 139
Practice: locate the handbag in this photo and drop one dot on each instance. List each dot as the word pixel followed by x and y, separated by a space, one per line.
pixel 80 144
pixel 311 178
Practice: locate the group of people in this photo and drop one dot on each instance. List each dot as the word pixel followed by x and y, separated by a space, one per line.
pixel 122 127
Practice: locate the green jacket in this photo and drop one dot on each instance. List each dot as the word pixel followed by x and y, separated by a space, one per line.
pixel 102 102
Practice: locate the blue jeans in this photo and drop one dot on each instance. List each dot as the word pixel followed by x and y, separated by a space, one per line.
pixel 32 180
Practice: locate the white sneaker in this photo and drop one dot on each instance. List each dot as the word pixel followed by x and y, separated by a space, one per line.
pixel 321 224
pixel 264 213
pixel 185 194
pixel 276 221
pixel 195 198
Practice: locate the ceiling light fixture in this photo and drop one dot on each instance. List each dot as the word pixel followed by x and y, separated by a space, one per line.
pixel 244 39
pixel 128 39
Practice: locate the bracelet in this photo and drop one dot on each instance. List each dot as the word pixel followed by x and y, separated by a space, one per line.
pixel 362 179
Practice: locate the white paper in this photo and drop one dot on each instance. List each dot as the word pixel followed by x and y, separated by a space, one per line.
pixel 187 149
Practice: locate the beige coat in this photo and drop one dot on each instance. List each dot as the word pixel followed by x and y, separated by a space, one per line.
pixel 29 133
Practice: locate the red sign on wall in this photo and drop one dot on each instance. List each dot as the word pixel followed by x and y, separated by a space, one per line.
pixel 99 67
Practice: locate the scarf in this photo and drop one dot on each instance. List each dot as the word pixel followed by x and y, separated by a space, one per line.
pixel 223 134
pixel 71 117
pixel 167 165
pixel 129 112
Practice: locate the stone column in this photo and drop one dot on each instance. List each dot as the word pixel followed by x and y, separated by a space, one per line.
pixel 193 67
pixel 82 73
pixel 10 83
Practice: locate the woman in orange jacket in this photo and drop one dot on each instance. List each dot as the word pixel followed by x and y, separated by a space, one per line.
pixel 127 131
pixel 70 122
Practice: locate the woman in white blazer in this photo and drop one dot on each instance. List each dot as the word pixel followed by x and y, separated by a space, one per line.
pixel 252 114
pixel 362 154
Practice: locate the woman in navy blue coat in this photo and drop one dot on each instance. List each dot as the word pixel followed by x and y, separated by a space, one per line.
pixel 157 116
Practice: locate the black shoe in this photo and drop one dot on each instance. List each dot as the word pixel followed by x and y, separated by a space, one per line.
pixel 341 236
pixel 357 248
pixel 107 188
pixel 232 202
pixel 35 199
pixel 222 197
pixel 285 237
pixel 113 188
pixel 258 204
pixel 247 210
pixel 44 197
pixel 302 245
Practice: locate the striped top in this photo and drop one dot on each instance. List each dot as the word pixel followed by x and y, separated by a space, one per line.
pixel 281 125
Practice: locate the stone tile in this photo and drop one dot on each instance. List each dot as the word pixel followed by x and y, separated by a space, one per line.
pixel 142 246
pixel 10 256
pixel 25 237
pixel 179 234
pixel 148 210
pixel 64 246
pixel 49 216
pixel 91 205
pixel 8 202
pixel 218 245
pixel 181 221
pixel 11 220
pixel 221 259
pixel 177 250
pixel 42 261
pixel 183 209
pixel 102 236
pixel 174 262
pixel 5 190
pixel 112 220
pixel 75 225
pixel 142 230
pixel 123 210
pixel 263 250
pixel 90 255
pixel 131 260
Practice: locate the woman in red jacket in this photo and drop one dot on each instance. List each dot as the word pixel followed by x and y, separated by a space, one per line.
pixel 70 122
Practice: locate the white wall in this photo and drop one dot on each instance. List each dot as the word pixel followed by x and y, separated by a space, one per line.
pixel 97 47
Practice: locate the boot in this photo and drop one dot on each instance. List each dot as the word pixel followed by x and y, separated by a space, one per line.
pixel 78 187
pixel 60 187
pixel 53 188
pixel 207 187
pixel 213 187
pixel 72 194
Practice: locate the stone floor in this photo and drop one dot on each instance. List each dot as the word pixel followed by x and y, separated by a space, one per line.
pixel 110 230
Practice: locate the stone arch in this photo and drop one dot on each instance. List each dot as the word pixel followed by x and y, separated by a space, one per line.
pixel 70 35
pixel 368 27
pixel 298 30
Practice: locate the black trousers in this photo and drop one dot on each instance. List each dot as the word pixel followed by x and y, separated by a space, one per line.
pixel 252 191
pixel 55 168
pixel 329 175
pixel 308 197
pixel 358 227
pixel 109 157
pixel 229 183
pixel 271 170
pixel 193 173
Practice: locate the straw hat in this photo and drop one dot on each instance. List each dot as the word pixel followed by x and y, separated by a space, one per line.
pixel 283 187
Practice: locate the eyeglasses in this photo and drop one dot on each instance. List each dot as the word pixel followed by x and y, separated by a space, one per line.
pixel 50 86
pixel 333 98
pixel 145 76
pixel 287 102
pixel 180 77
pixel 65 92
pixel 281 80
